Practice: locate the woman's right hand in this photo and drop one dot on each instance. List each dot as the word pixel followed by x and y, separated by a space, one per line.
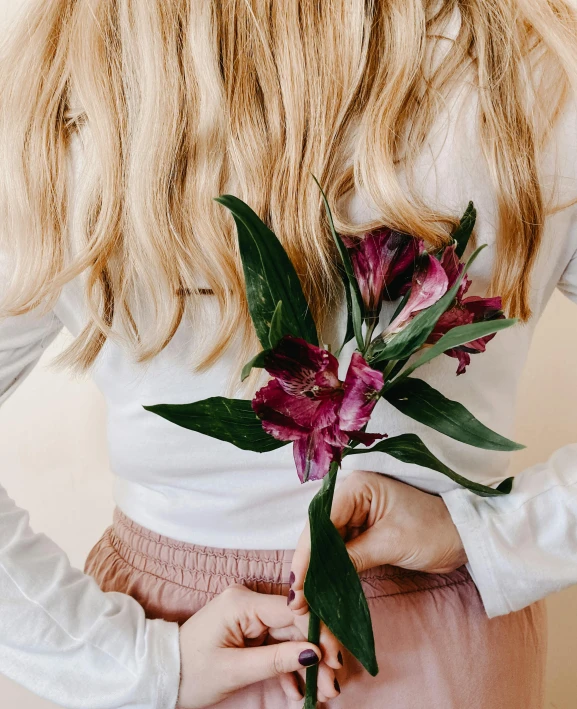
pixel 222 649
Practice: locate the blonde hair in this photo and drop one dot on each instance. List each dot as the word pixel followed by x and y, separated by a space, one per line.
pixel 182 96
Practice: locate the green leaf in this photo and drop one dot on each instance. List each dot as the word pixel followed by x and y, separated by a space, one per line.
pixel 356 301
pixel 350 330
pixel 230 420
pixel 270 276
pixel 415 334
pixel 401 305
pixel 277 326
pixel 454 338
pixel 409 448
pixel 257 361
pixel 357 317
pixel 418 400
pixel 463 232
pixel 332 586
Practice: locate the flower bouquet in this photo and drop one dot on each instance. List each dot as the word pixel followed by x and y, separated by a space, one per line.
pixel 306 403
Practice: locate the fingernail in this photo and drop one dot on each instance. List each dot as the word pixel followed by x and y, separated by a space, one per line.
pixel 292 578
pixel 308 658
pixel 337 685
pixel 291 597
pixel 340 657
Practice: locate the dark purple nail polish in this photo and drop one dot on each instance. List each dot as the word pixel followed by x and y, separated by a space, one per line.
pixel 337 685
pixel 308 658
pixel 292 578
pixel 291 597
pixel 340 657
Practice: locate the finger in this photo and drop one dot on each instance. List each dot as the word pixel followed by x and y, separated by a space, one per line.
pixel 245 666
pixel 292 632
pixel 327 684
pixel 299 566
pixel 270 610
pixel 369 550
pixel 329 645
pixel 290 685
pixel 331 648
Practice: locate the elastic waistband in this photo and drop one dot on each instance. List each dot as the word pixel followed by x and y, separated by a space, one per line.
pixel 213 569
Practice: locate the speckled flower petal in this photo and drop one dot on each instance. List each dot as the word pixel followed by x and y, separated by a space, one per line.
pixel 313 456
pixel 430 283
pixel 362 385
pixel 305 411
pixel 300 367
pixel 379 258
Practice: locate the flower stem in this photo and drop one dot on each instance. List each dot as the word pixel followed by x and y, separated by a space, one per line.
pixel 371 324
pixel 312 672
pixel 326 495
pixel 389 368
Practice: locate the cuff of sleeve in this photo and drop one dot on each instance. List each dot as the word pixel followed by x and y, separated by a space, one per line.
pixel 165 639
pixel 474 537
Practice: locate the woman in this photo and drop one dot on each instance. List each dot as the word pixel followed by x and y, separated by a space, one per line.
pixel 121 120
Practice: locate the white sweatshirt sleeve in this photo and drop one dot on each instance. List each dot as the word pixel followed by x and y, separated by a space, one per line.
pixel 60 635
pixel 523 546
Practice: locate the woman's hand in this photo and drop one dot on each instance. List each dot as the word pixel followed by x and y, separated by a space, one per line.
pixel 223 649
pixel 385 521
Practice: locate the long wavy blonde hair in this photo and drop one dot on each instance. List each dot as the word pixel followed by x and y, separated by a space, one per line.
pixel 181 96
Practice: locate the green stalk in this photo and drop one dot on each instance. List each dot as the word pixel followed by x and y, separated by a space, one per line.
pixel 389 368
pixel 312 672
pixel 314 634
pixel 371 324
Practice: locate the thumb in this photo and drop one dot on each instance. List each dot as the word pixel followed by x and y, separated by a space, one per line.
pixel 255 664
pixel 372 548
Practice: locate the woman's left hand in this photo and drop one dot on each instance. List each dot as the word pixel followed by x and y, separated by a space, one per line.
pixel 385 521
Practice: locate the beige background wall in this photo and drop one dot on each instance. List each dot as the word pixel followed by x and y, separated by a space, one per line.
pixel 53 462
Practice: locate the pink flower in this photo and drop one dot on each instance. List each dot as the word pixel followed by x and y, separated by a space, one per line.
pixel 380 260
pixel 464 311
pixel 430 283
pixel 305 402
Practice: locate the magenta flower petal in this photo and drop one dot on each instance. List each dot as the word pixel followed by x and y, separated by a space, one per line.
pixel 483 308
pixel 453 268
pixel 367 439
pixel 379 258
pixel 335 436
pixel 362 385
pixel 464 312
pixel 282 427
pixel 300 367
pixel 430 283
pixel 454 317
pixel 313 456
pixel 306 411
pixel 463 357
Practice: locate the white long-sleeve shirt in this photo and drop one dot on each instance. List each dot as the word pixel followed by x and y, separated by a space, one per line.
pixel 66 640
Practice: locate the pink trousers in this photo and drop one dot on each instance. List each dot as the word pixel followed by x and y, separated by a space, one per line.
pixel 436 648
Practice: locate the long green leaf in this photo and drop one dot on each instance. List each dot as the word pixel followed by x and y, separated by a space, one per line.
pixel 463 232
pixel 269 275
pixel 356 301
pixel 350 329
pixel 418 400
pixel 409 448
pixel 230 420
pixel 456 337
pixel 332 586
pixel 415 334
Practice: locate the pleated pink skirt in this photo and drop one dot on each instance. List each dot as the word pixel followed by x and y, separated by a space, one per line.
pixel 436 648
